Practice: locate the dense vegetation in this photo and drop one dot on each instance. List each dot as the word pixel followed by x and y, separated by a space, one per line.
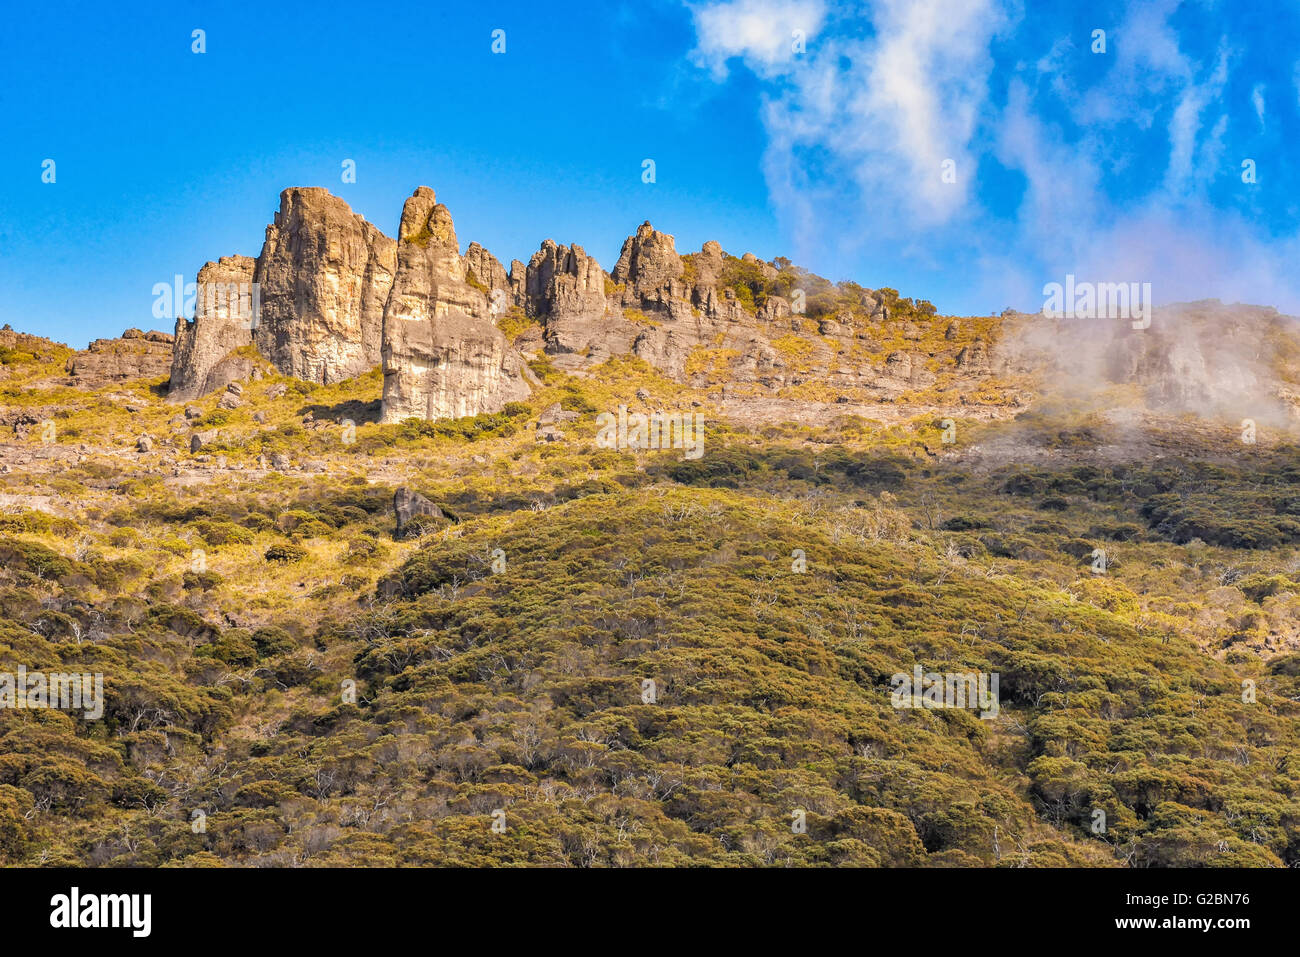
pixel 624 656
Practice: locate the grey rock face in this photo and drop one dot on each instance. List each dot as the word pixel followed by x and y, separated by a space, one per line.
pixel 443 355
pixel 518 284
pixel 484 268
pixel 709 263
pixel 564 281
pixel 565 288
pixel 973 357
pixel 648 262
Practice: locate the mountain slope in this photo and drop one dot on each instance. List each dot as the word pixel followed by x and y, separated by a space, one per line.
pixel 229 603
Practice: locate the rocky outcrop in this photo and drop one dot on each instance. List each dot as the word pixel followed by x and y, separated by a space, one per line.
pixel 565 288
pixel 321 283
pixel 974 357
pixel 648 264
pixel 564 282
pixel 324 276
pixel 483 269
pixel 135 355
pixel 201 356
pixel 336 296
pixel 443 355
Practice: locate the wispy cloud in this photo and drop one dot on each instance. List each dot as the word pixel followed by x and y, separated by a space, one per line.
pixel 883 110
pixel 860 125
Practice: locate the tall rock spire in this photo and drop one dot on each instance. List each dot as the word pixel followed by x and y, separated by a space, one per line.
pixel 443 355
pixel 324 275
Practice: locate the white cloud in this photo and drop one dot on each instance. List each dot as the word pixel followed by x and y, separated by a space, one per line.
pixel 1257 101
pixel 1147 59
pixel 1061 182
pixel 764 33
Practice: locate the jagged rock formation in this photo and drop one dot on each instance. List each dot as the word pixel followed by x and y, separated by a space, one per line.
pixel 483 269
pixel 648 266
pixel 324 275
pixel 443 354
pixel 337 296
pixel 322 278
pixel 565 288
pixel 135 355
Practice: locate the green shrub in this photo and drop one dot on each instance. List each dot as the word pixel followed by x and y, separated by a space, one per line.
pixel 285 554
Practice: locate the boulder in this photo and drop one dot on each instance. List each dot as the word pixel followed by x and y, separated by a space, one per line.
pixel 554 414
pixel 410 507
pixel 200 439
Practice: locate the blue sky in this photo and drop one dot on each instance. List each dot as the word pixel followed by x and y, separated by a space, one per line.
pixel 803 128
